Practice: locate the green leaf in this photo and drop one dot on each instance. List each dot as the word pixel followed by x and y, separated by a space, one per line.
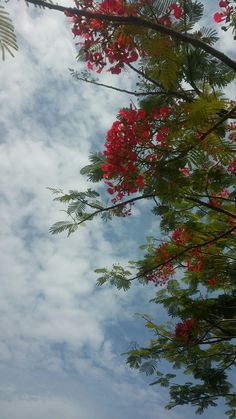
pixel 94 170
pixel 148 367
pixel 7 35
pixel 62 226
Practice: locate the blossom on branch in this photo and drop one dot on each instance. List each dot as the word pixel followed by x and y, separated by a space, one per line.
pixel 103 45
pixel 130 145
pixel 186 331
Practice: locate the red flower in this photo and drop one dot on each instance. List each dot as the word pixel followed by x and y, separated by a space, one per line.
pixel 223 3
pixel 164 111
pixel 185 171
pixel 194 266
pixel 96 24
pixel 232 167
pixel 212 282
pixel 161 275
pixel 140 182
pixel 186 331
pixel 218 17
pixel 177 10
pixel 180 236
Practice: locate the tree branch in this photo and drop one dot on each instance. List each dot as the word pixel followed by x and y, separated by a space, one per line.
pixel 186 249
pixel 210 206
pixel 138 21
pixel 176 94
pixel 179 95
pixel 226 116
pixel 119 205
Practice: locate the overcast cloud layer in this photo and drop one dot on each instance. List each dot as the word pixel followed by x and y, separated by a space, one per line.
pixel 61 337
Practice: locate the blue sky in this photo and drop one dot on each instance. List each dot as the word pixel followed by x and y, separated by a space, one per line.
pixel 61 338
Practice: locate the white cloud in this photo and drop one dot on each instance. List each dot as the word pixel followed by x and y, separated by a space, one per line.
pixel 52 317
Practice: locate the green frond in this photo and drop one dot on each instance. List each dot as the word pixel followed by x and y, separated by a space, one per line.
pixel 118 276
pixel 208 35
pixel 76 207
pixel 161 6
pixel 148 367
pixel 94 170
pixel 7 35
pixel 193 12
pixel 204 107
pixel 155 9
pixel 61 226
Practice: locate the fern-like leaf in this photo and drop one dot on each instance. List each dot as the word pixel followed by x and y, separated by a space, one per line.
pixel 94 170
pixel 208 35
pixel 7 34
pixel 61 226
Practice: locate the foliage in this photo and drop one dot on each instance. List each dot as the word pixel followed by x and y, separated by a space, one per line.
pixel 7 34
pixel 176 148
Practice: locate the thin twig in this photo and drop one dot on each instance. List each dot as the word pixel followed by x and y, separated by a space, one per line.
pixel 179 95
pixel 130 92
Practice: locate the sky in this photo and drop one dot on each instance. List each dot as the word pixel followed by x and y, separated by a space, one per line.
pixel 62 337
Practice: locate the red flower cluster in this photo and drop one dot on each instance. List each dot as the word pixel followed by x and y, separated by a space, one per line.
pixel 174 10
pixel 128 142
pixel 194 262
pixel 232 167
pixel 215 199
pixel 177 10
pixel 186 331
pixel 161 275
pixel 225 14
pixel 186 171
pixel 181 236
pixel 101 46
pixel 165 272
pixel 212 282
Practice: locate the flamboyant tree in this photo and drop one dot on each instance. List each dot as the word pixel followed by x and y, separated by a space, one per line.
pixel 176 148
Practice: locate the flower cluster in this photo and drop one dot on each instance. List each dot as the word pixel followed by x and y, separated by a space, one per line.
pixel 226 15
pixel 161 275
pixel 216 198
pixel 186 331
pixel 175 11
pixel 186 171
pixel 100 47
pixel 232 167
pixel 194 260
pixel 129 142
pixel 181 236
pixel 168 257
pixel 212 282
pixel 101 43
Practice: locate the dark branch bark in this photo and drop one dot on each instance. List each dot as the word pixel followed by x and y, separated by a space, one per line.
pixel 138 21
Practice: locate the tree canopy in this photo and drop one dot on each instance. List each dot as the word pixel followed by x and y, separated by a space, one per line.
pixel 176 148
